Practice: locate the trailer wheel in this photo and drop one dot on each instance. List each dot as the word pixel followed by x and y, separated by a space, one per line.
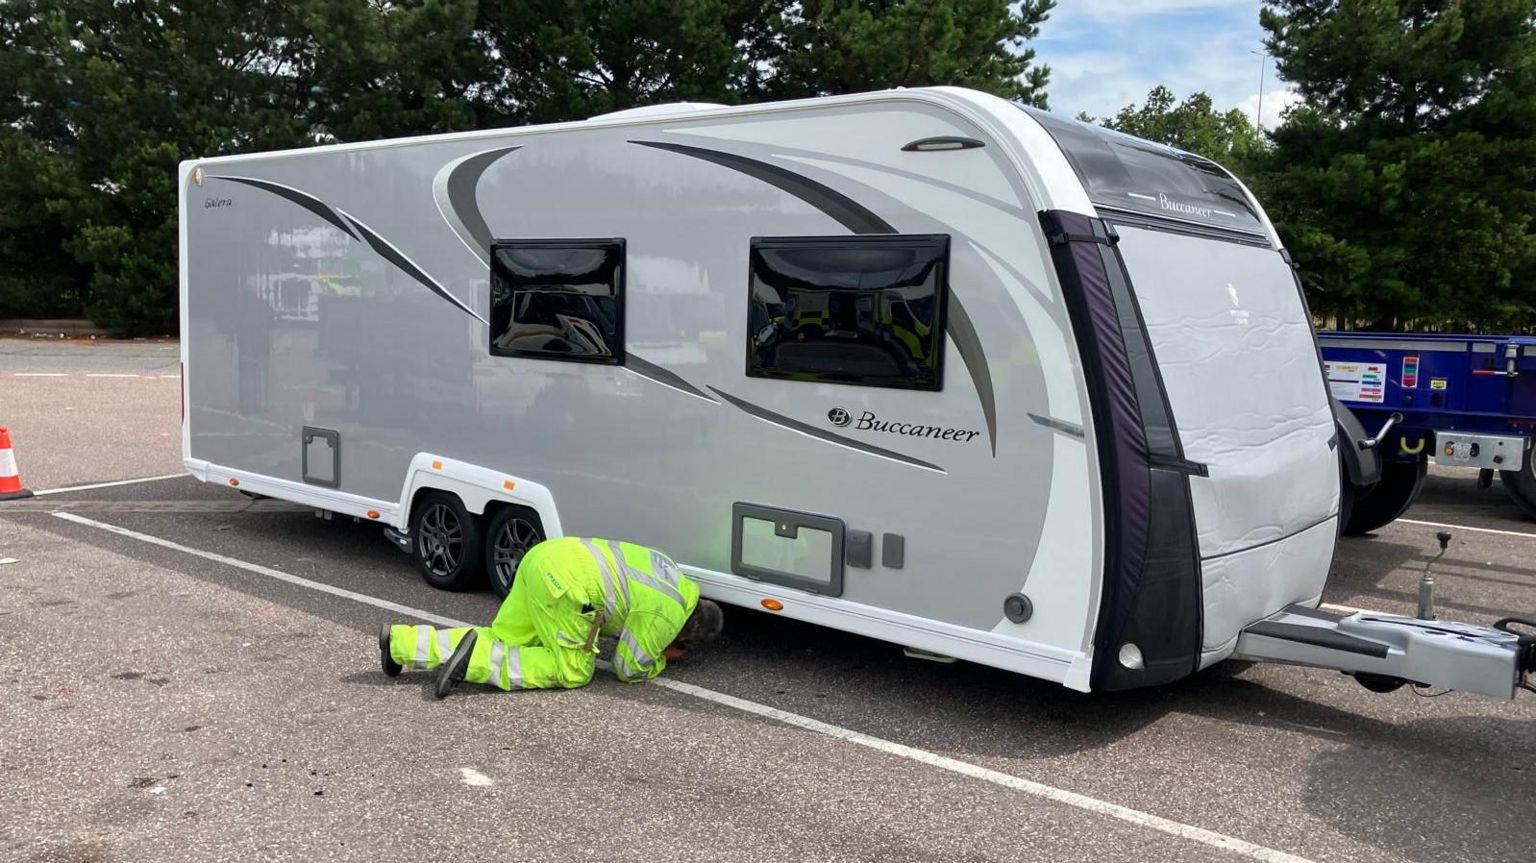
pixel 1348 491
pixel 512 531
pixel 447 542
pixel 1383 502
pixel 1521 485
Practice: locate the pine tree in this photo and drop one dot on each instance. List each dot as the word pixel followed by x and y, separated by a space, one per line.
pixel 1406 185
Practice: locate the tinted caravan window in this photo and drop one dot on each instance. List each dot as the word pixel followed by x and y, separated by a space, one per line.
pixel 860 310
pixel 558 299
pixel 1128 174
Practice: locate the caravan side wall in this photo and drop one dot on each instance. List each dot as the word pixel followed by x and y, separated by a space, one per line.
pixel 346 289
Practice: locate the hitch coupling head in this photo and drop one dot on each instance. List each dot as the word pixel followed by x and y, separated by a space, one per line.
pixel 1524 630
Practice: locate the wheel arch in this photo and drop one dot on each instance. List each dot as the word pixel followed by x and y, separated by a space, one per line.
pixel 480 489
pixel 1362 467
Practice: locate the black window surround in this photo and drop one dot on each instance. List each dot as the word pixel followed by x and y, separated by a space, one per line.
pixel 558 299
pixel 1155 183
pixel 865 309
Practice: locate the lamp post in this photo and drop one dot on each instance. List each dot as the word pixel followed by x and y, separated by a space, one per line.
pixel 1258 113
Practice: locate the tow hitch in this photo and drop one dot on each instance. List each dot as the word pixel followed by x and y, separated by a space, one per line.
pixel 1385 652
pixel 1526 648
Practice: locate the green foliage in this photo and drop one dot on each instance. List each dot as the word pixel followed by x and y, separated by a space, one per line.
pixel 1405 186
pixel 569 60
pixel 105 97
pixel 840 46
pixel 1194 125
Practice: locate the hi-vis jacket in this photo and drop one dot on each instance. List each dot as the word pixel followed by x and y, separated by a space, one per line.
pixel 567 592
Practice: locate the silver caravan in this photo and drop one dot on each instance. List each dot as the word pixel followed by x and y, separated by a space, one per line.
pixel 921 365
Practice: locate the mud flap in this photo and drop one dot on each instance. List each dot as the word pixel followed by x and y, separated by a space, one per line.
pixel 1435 653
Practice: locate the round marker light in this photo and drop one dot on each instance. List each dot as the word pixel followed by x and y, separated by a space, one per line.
pixel 234 481
pixel 373 513
pixel 1130 657
pixel 773 605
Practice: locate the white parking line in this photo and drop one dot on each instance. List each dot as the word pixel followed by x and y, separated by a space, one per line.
pixel 1036 789
pixel 1350 609
pixel 110 484
pixel 89 375
pixel 1468 527
pixel 265 570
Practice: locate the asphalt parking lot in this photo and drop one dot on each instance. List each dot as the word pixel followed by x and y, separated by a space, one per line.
pixel 189 675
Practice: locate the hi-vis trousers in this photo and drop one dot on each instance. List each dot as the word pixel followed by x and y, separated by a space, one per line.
pixel 537 641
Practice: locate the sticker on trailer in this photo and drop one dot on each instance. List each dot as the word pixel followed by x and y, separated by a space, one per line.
pixel 1437 383
pixel 1410 372
pixel 1356 382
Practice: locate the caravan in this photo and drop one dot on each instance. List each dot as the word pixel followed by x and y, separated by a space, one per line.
pixel 922 365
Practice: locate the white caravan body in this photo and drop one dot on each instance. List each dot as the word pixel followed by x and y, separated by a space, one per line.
pixel 920 364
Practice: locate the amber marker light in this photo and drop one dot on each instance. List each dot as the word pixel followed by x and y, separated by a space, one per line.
pixel 437 465
pixel 509 485
pixel 773 605
pixel 373 513
pixel 234 481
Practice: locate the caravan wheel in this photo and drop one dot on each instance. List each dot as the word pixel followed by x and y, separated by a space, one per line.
pixel 512 531
pixel 1521 485
pixel 1381 504
pixel 447 542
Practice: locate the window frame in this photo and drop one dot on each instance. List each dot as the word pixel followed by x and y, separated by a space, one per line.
pixel 617 244
pixel 941 311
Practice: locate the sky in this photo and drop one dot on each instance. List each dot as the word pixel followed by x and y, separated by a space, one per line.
pixel 1106 54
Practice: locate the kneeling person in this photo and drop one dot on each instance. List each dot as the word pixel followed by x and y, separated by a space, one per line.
pixel 566 593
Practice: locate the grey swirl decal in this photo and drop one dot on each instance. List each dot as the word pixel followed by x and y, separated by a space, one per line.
pixel 308 202
pixel 454 191
pixel 848 212
pixel 1066 428
pixel 357 231
pixel 665 377
pixel 408 266
pixel 860 220
pixel 963 333
pixel 782 421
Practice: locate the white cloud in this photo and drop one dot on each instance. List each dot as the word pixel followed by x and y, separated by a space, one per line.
pixel 1106 54
pixel 1125 10
pixel 1275 103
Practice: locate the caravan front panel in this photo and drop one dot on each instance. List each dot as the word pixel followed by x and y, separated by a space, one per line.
pixel 1228 391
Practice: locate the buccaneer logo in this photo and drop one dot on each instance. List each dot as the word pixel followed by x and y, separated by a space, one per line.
pixel 867 421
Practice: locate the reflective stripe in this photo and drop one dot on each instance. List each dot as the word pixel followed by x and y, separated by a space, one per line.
pixel 624 666
pixel 444 645
pixel 514 667
pixel 654 584
pixel 611 594
pixel 664 569
pixel 628 640
pixel 643 577
pixel 423 646
pixel 497 652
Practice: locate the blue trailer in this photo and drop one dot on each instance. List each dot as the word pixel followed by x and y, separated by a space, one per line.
pixel 1467 401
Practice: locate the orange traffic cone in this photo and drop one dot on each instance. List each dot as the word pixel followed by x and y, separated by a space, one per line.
pixel 10 478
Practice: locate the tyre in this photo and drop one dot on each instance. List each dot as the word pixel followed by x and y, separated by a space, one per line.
pixel 512 531
pixel 1383 502
pixel 1521 485
pixel 448 542
pixel 1348 491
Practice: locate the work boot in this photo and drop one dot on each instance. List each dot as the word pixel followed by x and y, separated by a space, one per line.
pixel 457 664
pixel 391 667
